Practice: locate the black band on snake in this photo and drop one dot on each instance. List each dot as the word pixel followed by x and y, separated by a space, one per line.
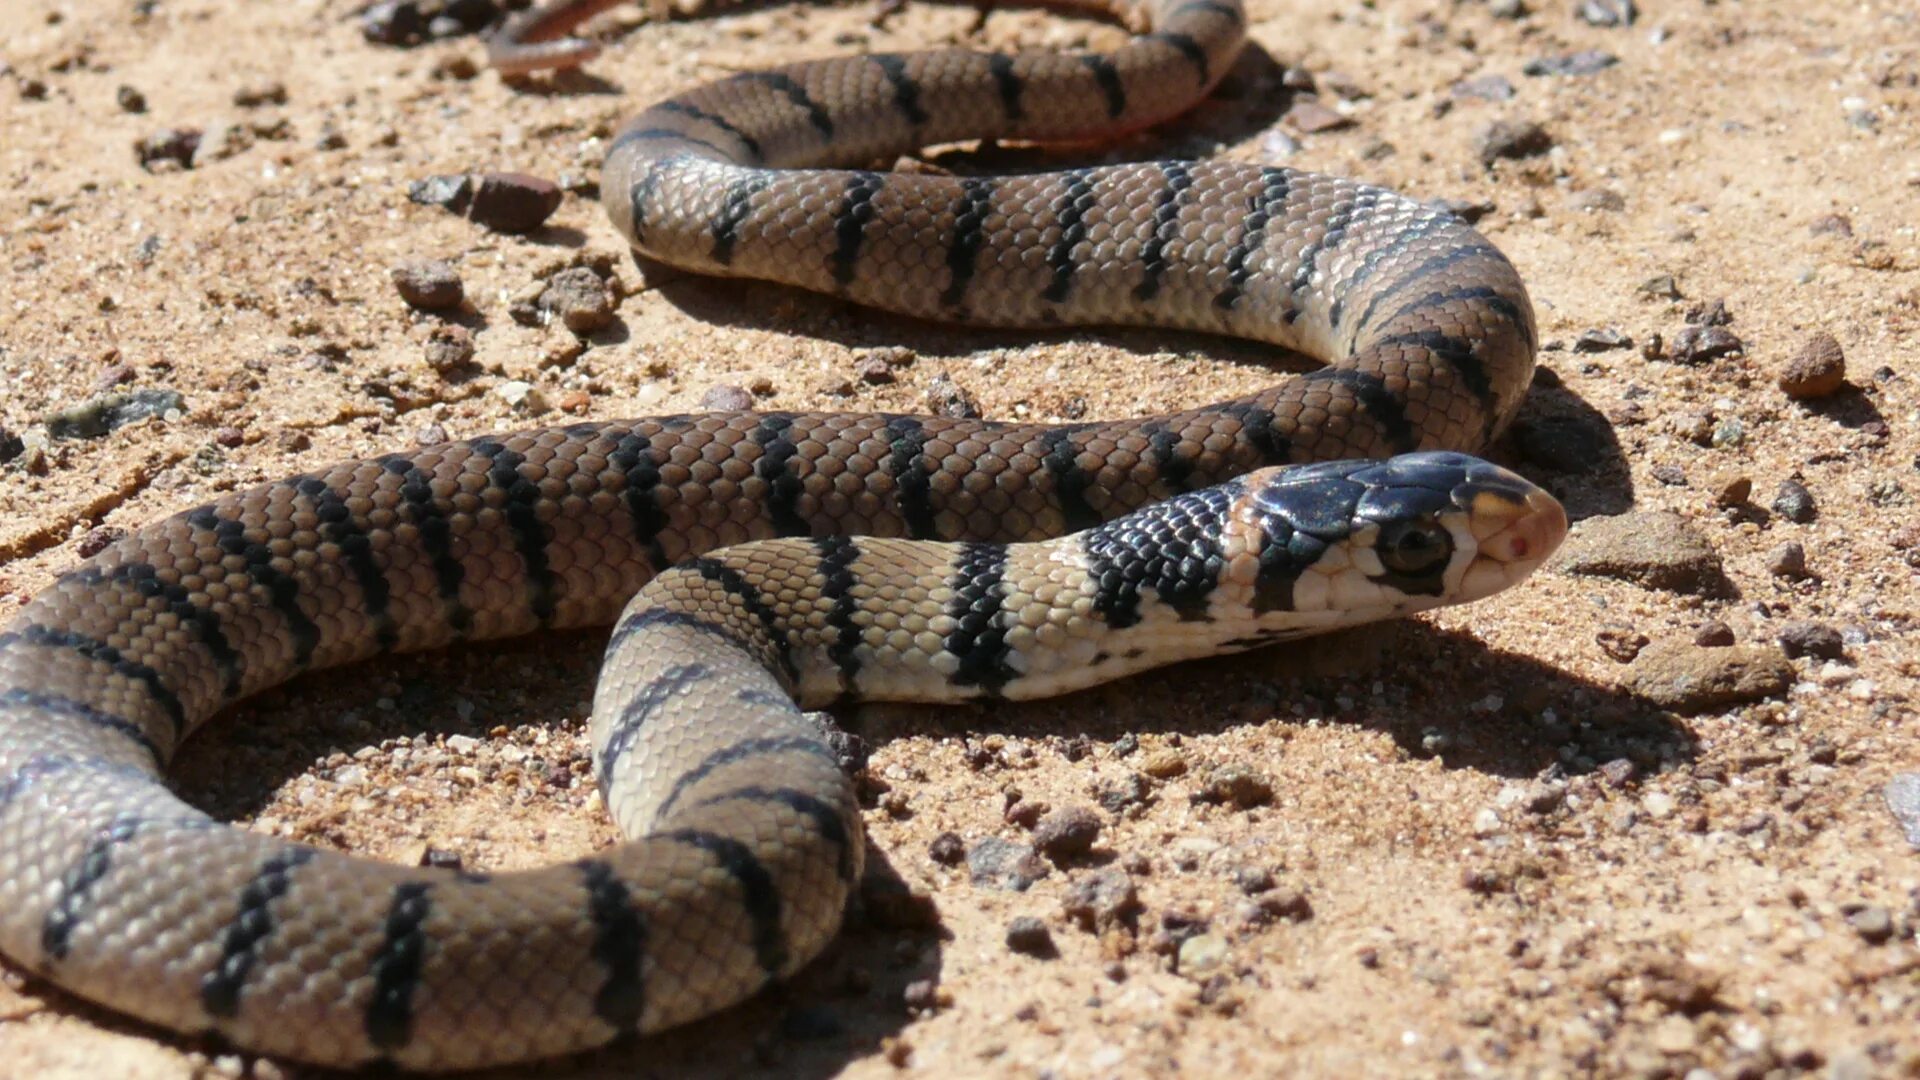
pixel 794 559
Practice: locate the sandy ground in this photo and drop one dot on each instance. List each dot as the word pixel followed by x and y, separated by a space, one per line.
pixel 1483 854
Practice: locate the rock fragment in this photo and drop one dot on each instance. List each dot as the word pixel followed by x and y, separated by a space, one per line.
pixel 1512 139
pixel 107 412
pixel 428 285
pixel 1681 676
pixel 1655 549
pixel 1817 369
pixel 580 298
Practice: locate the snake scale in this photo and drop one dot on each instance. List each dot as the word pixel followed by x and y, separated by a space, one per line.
pixel 793 557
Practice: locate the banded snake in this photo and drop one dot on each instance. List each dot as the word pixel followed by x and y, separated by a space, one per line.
pixel 795 559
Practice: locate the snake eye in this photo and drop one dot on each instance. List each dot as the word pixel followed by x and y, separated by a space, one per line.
pixel 1414 548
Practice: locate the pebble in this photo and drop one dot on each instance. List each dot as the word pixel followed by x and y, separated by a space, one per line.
pixel 449 348
pixel 394 22
pixel 921 995
pixel 947 849
pixel 1067 833
pixel 503 202
pixel 1831 225
pixel 1030 937
pixel 108 412
pixel 429 285
pixel 1236 785
pixel 1619 772
pixel 522 397
pixel 1656 549
pixel 11 445
pixel 873 370
pixel 172 148
pixel 1685 678
pixel 1700 344
pixel 431 435
pixel 1492 87
pixel 1280 905
pixel 1253 879
pixel 1817 369
pixel 1202 955
pixel 1164 764
pixel 726 397
pixel 1002 864
pixel 1712 314
pixel 1311 118
pixel 1608 12
pixel 1873 923
pixel 451 192
pixel 513 202
pixel 1024 814
pixel 1660 287
pixel 947 398
pixel 1903 802
pixel 130 100
pixel 1512 139
pixel 1583 62
pixel 1594 200
pixel 1117 794
pixel 581 298
pixel 1101 900
pixel 1730 488
pixel 255 95
pixel 1794 502
pixel 1803 638
pixel 1789 560
pixel 1714 635
pixel 1467 210
pixel 1601 339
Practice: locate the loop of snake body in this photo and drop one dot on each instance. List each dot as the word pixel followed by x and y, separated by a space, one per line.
pixel 890 556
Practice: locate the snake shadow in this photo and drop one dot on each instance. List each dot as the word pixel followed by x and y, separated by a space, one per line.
pixel 1435 693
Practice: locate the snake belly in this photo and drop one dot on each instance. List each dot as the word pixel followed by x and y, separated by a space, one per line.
pixel 114 889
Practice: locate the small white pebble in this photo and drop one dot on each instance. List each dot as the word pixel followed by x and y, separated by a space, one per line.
pixel 462 744
pixel 1486 822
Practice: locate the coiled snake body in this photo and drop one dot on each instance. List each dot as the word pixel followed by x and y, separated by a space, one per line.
pixel 746 838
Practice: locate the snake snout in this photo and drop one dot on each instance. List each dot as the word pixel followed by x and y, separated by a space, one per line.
pixel 1515 530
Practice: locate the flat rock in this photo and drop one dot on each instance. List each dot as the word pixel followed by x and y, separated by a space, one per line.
pixel 1686 678
pixel 99 415
pixel 1656 549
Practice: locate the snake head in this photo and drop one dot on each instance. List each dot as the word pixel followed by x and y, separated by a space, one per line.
pixel 1352 541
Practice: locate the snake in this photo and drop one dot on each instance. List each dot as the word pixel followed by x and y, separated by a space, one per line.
pixel 753 564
